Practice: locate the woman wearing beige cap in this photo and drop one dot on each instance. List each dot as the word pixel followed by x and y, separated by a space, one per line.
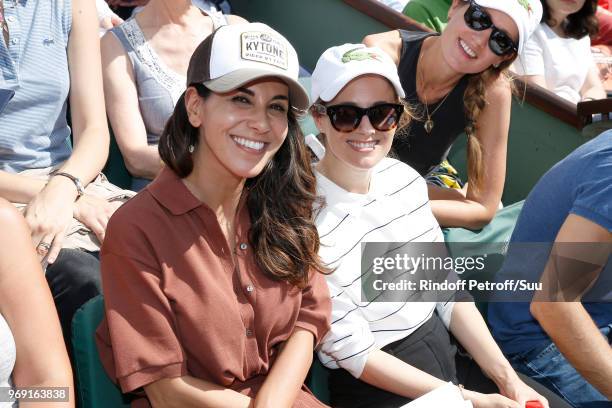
pixel 385 353
pixel 213 288
pixel 456 83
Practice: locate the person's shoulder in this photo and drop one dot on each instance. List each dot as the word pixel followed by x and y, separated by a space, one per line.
pixel 392 166
pixel 393 174
pixel 111 40
pixel 595 157
pixel 498 89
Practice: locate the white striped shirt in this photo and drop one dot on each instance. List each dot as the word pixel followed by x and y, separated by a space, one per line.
pixel 396 209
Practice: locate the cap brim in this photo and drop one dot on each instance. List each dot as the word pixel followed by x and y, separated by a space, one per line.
pixel 334 89
pixel 235 79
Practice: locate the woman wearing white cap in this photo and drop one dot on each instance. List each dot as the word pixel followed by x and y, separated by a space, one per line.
pixel 558 55
pixel 391 352
pixel 456 82
pixel 212 283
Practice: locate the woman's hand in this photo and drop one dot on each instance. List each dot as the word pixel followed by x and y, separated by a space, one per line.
pixel 48 215
pixel 521 392
pixel 94 213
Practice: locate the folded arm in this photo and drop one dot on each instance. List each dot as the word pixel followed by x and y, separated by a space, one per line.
pixel 568 323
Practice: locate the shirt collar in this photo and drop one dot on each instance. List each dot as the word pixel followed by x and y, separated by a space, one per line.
pixel 170 191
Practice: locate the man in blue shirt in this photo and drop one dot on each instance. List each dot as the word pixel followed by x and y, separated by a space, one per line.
pixel 565 345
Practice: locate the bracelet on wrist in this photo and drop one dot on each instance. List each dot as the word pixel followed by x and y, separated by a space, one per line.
pixel 75 180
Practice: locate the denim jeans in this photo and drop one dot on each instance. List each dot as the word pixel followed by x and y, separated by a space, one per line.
pixel 548 366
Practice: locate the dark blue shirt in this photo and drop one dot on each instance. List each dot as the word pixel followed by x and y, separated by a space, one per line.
pixel 580 184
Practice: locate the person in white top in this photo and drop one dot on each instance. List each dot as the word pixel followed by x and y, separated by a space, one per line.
pixel 403 349
pixel 558 54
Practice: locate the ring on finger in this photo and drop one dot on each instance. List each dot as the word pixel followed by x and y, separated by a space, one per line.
pixel 43 247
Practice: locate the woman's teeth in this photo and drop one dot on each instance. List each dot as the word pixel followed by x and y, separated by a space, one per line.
pixel 362 145
pixel 467 49
pixel 249 143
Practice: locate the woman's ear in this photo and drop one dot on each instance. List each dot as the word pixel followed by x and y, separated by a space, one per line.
pixel 193 105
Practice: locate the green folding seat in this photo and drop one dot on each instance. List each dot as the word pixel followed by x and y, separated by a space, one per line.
pixel 95 388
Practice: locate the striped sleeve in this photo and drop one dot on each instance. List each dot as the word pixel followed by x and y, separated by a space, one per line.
pixel 349 340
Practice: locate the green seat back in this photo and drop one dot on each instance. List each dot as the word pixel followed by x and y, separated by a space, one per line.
pixel 115 169
pixel 95 388
pixel 318 380
pixel 491 242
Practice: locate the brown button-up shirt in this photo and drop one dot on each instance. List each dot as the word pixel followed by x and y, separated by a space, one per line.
pixel 177 304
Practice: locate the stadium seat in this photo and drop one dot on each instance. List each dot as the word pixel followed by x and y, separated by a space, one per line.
pixel 95 388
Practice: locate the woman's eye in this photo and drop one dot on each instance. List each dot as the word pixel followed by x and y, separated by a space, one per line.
pixel 278 107
pixel 241 99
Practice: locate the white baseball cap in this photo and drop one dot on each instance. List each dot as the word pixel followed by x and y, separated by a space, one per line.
pixel 526 14
pixel 239 53
pixel 341 64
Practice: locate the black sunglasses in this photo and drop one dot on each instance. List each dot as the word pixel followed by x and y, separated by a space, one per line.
pixel 346 118
pixel 478 19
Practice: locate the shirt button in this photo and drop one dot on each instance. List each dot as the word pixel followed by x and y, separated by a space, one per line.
pixel 14 41
pixel 249 332
pixel 10 19
pixel 249 288
pixel 243 246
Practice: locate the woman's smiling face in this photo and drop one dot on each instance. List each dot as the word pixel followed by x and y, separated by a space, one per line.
pixel 365 146
pixel 241 130
pixel 467 50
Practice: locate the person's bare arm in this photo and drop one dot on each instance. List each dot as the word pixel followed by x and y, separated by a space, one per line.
pixel 187 391
pixel 479 206
pixel 568 323
pixel 27 306
pixel 390 42
pixel 592 89
pixel 387 372
pixel 468 326
pixel 89 129
pixel 123 110
pixel 51 210
pixel 288 372
pixel 280 388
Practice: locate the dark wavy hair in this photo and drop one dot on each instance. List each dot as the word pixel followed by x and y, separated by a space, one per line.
pixel 576 25
pixel 280 199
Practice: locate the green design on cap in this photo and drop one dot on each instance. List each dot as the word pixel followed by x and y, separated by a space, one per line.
pixel 357 54
pixel 525 3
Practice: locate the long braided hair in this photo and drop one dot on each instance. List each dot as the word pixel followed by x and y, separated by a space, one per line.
pixel 474 101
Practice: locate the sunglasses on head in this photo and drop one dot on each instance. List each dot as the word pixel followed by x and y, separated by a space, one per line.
pixel 346 118
pixel 478 19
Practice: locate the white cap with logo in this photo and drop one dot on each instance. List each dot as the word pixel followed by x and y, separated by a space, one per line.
pixel 239 53
pixel 341 64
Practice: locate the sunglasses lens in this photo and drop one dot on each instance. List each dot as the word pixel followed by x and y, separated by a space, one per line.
pixel 344 118
pixel 384 117
pixel 500 43
pixel 477 19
